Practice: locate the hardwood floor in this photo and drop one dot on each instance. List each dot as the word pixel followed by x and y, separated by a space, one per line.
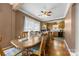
pixel 57 48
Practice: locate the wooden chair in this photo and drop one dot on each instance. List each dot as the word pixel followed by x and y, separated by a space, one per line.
pixel 1 51
pixel 41 50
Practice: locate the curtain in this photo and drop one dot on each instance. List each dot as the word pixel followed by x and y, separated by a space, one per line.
pixel 31 24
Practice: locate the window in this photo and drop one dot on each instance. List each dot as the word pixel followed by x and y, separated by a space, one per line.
pixel 31 24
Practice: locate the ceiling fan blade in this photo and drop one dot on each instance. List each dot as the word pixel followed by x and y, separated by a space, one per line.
pixel 49 11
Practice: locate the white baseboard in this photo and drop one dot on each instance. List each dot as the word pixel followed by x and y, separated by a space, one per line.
pixel 68 48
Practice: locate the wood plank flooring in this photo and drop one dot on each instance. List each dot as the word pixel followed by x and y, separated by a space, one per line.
pixel 57 48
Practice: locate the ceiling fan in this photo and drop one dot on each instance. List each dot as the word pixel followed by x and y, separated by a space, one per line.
pixel 47 12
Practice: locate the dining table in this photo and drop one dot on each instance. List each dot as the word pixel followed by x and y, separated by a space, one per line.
pixel 26 44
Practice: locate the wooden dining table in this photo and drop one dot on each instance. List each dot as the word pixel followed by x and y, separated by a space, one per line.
pixel 26 44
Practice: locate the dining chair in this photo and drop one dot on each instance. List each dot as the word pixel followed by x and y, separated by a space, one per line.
pixel 41 49
pixel 1 51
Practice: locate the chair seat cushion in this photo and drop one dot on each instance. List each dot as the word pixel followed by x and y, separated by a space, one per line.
pixel 35 48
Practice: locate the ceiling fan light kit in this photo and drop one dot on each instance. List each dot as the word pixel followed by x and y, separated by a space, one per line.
pixel 46 13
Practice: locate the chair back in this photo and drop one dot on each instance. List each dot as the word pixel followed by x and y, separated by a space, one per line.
pixel 42 45
pixel 1 51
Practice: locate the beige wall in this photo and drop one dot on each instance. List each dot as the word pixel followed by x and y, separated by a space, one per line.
pixel 7 26
pixel 69 28
pixel 11 24
pixel 19 23
pixel 77 28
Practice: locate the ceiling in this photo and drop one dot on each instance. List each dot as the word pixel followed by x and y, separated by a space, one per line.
pixel 59 10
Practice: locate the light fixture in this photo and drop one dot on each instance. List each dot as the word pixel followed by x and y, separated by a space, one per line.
pixel 46 13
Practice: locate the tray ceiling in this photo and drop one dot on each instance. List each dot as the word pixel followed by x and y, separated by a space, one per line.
pixel 59 10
